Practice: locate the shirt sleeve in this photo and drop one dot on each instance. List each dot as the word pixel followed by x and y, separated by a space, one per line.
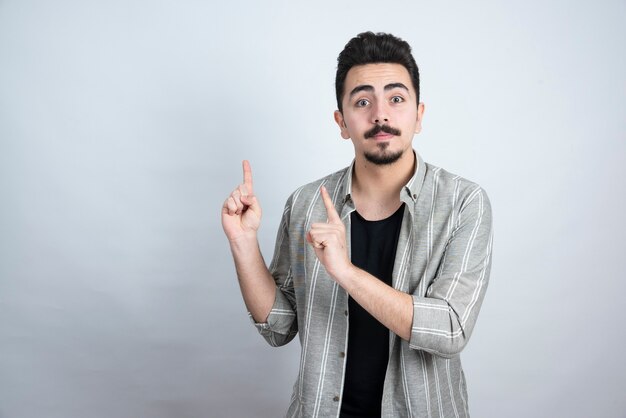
pixel 281 325
pixel 443 320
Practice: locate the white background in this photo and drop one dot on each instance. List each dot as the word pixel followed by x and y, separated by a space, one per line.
pixel 122 129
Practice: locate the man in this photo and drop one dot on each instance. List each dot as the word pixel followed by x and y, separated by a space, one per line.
pixel 381 267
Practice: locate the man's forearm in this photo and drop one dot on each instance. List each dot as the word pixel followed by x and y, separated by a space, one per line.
pixel 257 285
pixel 391 307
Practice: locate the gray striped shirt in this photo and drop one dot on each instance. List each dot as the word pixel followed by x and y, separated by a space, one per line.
pixel 443 260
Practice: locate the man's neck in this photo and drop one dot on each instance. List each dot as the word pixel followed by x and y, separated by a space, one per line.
pixel 376 188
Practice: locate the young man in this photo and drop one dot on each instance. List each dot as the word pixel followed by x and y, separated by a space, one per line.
pixel 381 267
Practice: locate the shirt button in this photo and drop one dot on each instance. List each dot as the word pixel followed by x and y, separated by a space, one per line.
pixel 336 399
pixel 345 312
pixel 342 354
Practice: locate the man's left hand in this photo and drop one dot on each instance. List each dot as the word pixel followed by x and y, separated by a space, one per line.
pixel 329 240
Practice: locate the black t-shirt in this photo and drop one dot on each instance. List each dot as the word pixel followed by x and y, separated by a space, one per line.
pixel 373 245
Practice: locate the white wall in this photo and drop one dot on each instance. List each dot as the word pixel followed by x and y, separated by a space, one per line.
pixel 122 128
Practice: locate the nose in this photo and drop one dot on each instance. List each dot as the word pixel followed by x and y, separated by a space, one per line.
pixel 380 115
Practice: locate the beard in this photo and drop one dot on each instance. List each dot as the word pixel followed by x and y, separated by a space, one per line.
pixel 383 157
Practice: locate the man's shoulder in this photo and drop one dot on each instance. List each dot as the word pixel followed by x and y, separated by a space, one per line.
pixel 451 190
pixel 445 180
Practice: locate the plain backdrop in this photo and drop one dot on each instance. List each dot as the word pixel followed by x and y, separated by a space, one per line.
pixel 122 129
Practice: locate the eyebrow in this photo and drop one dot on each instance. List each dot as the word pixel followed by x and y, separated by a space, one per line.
pixel 369 88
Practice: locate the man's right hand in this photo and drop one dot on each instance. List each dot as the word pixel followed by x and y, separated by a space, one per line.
pixel 241 213
pixel 241 217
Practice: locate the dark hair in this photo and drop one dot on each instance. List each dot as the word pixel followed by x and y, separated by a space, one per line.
pixel 373 48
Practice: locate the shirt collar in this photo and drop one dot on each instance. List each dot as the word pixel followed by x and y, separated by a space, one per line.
pixel 411 189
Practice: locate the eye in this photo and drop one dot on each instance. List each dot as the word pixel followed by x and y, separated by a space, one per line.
pixel 397 99
pixel 362 103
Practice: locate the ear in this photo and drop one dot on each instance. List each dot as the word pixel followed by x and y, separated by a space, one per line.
pixel 342 125
pixel 420 116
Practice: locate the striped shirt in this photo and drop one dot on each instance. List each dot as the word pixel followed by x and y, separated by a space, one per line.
pixel 443 260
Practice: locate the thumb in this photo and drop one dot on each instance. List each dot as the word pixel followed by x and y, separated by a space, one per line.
pixel 249 200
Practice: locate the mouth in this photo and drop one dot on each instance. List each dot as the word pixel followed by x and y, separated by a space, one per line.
pixel 383 136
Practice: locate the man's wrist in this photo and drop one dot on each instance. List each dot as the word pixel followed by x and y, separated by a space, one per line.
pixel 244 243
pixel 346 275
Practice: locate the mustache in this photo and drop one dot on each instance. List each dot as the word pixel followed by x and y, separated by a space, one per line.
pixel 382 128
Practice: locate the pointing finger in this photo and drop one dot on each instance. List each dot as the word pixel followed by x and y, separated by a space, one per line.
pixel 247 175
pixel 333 216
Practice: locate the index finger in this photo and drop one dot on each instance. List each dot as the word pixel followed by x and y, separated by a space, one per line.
pixel 247 175
pixel 333 216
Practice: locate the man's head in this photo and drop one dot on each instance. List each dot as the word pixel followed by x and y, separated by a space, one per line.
pixel 378 98
pixel 374 48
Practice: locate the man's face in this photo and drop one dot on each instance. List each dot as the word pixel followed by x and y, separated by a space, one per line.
pixel 380 112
